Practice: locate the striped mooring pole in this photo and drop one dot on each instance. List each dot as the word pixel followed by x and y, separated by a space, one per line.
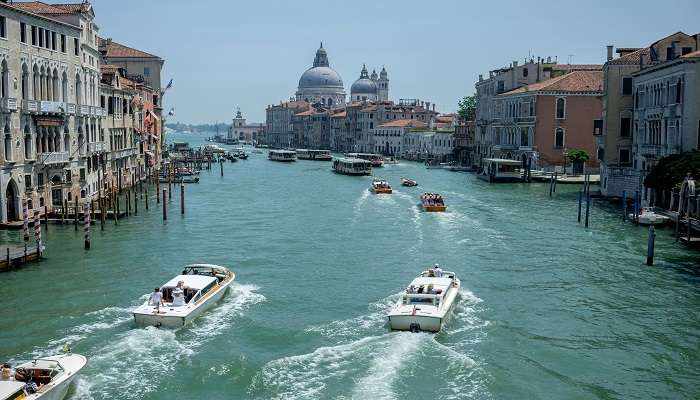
pixel 86 224
pixel 37 233
pixel 25 220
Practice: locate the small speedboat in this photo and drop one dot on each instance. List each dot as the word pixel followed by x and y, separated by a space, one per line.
pixel 647 216
pixel 408 182
pixel 426 303
pixel 203 285
pixel 51 377
pixel 257 151
pixel 381 187
pixel 432 202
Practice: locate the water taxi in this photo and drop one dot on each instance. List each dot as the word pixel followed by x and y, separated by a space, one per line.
pixel 408 182
pixel 425 304
pixel 647 216
pixel 52 377
pixel 214 149
pixel 501 170
pixel 381 187
pixel 282 155
pixel 203 286
pixel 352 166
pixel 432 202
pixel 376 159
pixel 316 155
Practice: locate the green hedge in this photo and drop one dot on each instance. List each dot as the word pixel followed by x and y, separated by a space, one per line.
pixel 671 171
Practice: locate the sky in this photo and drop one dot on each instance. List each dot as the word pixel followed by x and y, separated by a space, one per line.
pixel 249 54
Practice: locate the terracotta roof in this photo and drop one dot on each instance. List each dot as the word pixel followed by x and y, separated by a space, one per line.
pixel 108 68
pixel 110 48
pixel 370 108
pixel 578 67
pixel 305 113
pixel 627 49
pixel 404 123
pixel 576 81
pixel 341 114
pixel 695 54
pixel 631 58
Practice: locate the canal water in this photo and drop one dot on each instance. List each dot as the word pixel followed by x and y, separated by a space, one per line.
pixel 548 308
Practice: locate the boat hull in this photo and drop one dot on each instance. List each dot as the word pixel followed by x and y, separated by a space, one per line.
pixel 177 321
pixel 58 390
pixel 381 191
pixel 351 173
pixel 428 208
pixel 415 323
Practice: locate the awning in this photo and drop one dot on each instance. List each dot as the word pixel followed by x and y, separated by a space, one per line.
pixel 153 115
pixel 49 121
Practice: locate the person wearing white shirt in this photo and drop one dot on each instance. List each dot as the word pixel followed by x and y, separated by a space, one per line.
pixel 156 299
pixel 179 294
pixel 437 271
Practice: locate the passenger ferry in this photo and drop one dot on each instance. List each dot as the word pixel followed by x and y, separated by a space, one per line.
pixel 352 166
pixel 203 285
pixel 375 159
pixel 381 187
pixel 501 170
pixel 214 149
pixel 316 155
pixel 426 303
pixel 282 155
pixel 432 202
pixel 51 375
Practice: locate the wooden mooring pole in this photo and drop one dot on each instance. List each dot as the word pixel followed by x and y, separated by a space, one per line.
pixel 580 200
pixel 624 205
pixel 650 245
pixel 588 208
pixel 86 224
pixel 182 198
pixel 221 164
pixel 165 209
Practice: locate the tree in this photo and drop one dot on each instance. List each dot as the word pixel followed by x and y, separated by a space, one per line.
pixel 577 156
pixel 466 108
pixel 670 171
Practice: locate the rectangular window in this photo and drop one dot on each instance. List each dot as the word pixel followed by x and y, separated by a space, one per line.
pixel 501 86
pixel 627 86
pixel 53 40
pixel 27 181
pixel 686 50
pixel 23 32
pixel 625 126
pixel 624 156
pixel 76 46
pixel 146 71
pixel 33 35
pixel 63 43
pixel 40 32
pixel 82 174
pixel 40 179
pixel 597 127
pixel 669 53
pixel 47 39
pixel 3 26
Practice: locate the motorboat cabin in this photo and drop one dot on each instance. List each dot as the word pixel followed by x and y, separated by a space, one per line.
pixel 426 303
pixel 433 202
pixel 202 286
pixel 315 155
pixel 647 216
pixel 352 166
pixel 381 187
pixel 282 155
pixel 376 159
pixel 501 170
pixel 46 378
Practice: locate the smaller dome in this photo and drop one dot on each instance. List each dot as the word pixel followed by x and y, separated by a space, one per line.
pixel 364 85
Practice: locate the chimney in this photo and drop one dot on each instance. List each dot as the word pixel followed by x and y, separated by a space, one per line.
pixel 433 106
pixel 515 64
pixel 431 122
pixel 610 52
pixel 427 105
pixel 549 60
pixel 481 77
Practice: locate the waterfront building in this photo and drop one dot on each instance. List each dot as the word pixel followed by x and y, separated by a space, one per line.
pixel 312 129
pixel 245 132
pixel 51 117
pixel 506 79
pixel 434 141
pixel 621 168
pixel 339 140
pixel 321 83
pixel 666 110
pixel 389 136
pixel 540 121
pixel 279 128
pixel 465 131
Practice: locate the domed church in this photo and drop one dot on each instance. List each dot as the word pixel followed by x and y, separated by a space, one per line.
pixel 321 83
pixel 370 88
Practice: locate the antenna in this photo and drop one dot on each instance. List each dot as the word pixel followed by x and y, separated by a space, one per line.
pixel 571 57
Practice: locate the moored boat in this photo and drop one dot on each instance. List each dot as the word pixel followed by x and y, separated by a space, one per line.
pixel 381 187
pixel 352 166
pixel 282 155
pixel 432 202
pixel 46 378
pixel 408 182
pixel 185 296
pixel 426 303
pixel 647 216
pixel 315 155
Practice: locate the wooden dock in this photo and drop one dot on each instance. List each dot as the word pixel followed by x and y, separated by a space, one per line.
pixel 15 256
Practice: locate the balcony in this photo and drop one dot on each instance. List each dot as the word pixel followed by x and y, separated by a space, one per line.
pixel 505 147
pixel 70 108
pixel 55 157
pixel 9 104
pixel 84 109
pixel 31 106
pixel 96 147
pixel 651 150
pixel 117 154
pixel 52 107
pixel 525 119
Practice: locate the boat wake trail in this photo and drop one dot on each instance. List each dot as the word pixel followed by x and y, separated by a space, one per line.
pixel 358 206
pixel 133 362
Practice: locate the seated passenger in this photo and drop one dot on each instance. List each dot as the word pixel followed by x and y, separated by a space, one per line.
pixel 179 294
pixel 411 289
pixel 5 372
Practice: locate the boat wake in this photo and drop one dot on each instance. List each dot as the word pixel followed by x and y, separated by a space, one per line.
pixel 133 361
pixel 389 366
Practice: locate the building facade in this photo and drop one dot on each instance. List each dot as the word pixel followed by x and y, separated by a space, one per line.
pixel 279 128
pixel 245 132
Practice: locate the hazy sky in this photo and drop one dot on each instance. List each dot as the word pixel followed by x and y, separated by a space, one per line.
pixel 248 54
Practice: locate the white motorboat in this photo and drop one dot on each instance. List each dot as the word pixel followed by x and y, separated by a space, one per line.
pixel 51 377
pixel 647 216
pixel 204 285
pixel 426 303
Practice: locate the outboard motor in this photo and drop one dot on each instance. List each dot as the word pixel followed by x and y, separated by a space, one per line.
pixel 414 327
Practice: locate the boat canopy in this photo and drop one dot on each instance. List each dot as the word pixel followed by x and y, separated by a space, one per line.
pixel 354 161
pixel 438 283
pixel 8 389
pixel 503 161
pixel 197 282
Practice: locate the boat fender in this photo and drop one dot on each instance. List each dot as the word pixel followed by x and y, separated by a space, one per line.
pixel 158 324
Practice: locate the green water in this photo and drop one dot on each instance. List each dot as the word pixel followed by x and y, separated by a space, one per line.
pixel 548 309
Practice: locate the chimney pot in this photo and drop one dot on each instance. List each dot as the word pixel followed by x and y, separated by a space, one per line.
pixel 610 52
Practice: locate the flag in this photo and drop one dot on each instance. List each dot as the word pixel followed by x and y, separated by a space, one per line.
pixel 171 112
pixel 169 85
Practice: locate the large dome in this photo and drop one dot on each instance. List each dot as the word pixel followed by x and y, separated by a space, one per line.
pixel 320 77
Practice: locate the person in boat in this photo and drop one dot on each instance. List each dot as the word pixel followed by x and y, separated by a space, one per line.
pixel 429 289
pixel 411 289
pixel 437 271
pixel 5 372
pixel 156 299
pixel 179 294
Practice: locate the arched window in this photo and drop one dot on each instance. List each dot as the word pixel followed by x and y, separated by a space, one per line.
pixel 25 82
pixel 601 153
pixel 78 90
pixel 679 91
pixel 27 143
pixel 559 138
pixel 64 87
pixel 4 79
pixel 524 137
pixel 7 144
pixel 561 108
